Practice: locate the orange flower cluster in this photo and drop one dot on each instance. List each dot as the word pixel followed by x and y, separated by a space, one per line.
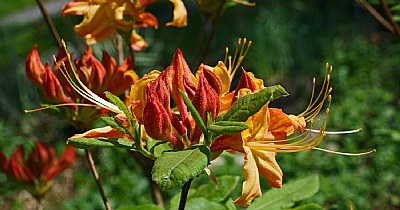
pixel 103 18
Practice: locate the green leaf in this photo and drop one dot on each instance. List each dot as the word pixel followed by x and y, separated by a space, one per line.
pixel 227 127
pixel 309 206
pixel 217 193
pixel 195 114
pixel 115 124
pixel 117 102
pixel 289 194
pixel 248 105
pixel 174 168
pixel 140 207
pixel 99 142
pixel 196 204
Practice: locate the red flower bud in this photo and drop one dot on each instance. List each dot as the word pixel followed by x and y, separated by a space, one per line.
pixel 206 100
pixel 156 120
pixel 91 72
pixel 34 67
pixel 52 87
pixel 212 79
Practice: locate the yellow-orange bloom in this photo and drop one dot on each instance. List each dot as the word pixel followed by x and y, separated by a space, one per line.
pixel 102 18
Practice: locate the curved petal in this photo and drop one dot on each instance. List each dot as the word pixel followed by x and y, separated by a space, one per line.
pixel 180 14
pixel 251 185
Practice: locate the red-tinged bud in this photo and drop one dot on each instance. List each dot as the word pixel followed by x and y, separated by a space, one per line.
pixel 39 158
pixel 206 100
pixel 156 120
pixel 52 88
pixel 34 67
pixel 212 79
pixel 245 82
pixel 179 77
pixel 65 161
pixel 124 77
pixel 91 71
pixel 17 168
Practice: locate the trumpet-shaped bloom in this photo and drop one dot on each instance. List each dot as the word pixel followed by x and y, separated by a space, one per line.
pixel 39 169
pixel 102 18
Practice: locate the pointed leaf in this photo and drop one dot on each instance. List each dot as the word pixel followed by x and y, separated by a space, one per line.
pixel 309 206
pixel 195 114
pixel 174 168
pixel 248 105
pixel 217 193
pixel 287 196
pixel 116 101
pixel 227 127
pixel 115 124
pixel 97 142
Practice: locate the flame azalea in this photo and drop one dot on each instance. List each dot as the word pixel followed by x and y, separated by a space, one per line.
pixel 268 132
pixel 39 169
pixel 149 103
pixel 96 75
pixel 101 19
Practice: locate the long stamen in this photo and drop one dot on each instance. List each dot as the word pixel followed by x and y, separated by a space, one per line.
pixel 234 61
pixel 58 105
pixel 344 153
pixel 81 89
pixel 316 103
pixel 337 132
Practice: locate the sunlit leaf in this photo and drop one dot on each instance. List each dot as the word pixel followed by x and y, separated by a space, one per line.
pixel 286 197
pixel 174 168
pixel 309 206
pixel 97 142
pixel 227 127
pixel 248 105
pixel 217 193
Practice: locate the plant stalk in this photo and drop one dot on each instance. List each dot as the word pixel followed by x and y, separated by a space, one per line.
pixel 49 23
pixel 212 33
pixel 97 178
pixel 184 194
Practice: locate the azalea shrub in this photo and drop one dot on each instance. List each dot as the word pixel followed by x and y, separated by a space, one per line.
pixel 187 135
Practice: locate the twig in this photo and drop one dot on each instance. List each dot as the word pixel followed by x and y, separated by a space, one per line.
pixel 97 179
pixel 49 23
pixel 184 194
pixel 376 15
pixel 389 15
pixel 199 40
pixel 213 31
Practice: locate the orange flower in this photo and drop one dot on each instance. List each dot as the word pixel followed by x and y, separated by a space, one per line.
pixel 102 18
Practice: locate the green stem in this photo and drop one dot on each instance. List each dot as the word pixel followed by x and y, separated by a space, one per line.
pixel 184 194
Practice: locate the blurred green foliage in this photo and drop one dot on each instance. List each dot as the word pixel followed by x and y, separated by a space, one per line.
pixel 292 40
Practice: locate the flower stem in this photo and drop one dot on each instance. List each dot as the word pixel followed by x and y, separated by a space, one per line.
pixel 49 23
pixel 212 33
pixel 97 179
pixel 184 194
